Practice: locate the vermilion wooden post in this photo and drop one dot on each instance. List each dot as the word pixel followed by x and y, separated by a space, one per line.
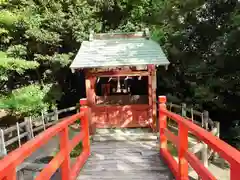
pixel 11 174
pixel 91 98
pixel 65 167
pixel 162 122
pixel 152 95
pixel 182 149
pixel 150 102
pixel 234 171
pixel 85 125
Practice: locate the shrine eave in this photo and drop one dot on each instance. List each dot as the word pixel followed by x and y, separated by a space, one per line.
pixel 115 52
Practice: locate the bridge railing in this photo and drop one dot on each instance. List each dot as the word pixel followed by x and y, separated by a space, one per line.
pixel 14 136
pixel 8 165
pixel 202 119
pixel 199 118
pixel 180 168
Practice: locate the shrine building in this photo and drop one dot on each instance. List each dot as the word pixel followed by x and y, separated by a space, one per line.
pixel 120 78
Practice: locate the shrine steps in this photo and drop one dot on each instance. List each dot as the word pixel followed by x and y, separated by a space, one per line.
pixel 128 134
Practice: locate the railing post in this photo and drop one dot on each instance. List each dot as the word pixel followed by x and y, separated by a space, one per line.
pixel 85 125
pixel 3 150
pixel 31 127
pixel 183 109
pixel 18 134
pixel 205 119
pixel 234 171
pixel 43 120
pixel 182 149
pixel 55 114
pixel 162 122
pixel 20 175
pixel 64 143
pixel 77 107
pixel 27 127
pixel 12 174
pixel 192 115
pixel 215 154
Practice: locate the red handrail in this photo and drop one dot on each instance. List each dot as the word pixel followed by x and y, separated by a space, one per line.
pixel 180 169
pixel 62 159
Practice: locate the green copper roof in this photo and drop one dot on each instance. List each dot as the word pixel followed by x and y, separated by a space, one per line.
pixel 119 52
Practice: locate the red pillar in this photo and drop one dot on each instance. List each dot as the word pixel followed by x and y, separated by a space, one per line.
pixel 64 142
pixel 154 98
pixel 85 125
pixel 11 174
pixel 234 171
pixel 91 96
pixel 182 149
pixel 162 123
pixel 152 95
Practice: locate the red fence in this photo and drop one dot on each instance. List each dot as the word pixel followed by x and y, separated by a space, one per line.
pixel 180 168
pixel 135 115
pixel 62 159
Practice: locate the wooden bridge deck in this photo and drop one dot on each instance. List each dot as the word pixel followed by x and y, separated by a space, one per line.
pixel 118 160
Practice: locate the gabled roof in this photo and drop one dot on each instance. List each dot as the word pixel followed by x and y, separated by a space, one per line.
pixel 111 50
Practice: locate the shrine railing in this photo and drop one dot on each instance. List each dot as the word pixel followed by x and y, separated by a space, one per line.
pixel 180 168
pixel 9 164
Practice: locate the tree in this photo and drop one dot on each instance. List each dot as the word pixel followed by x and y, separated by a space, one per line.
pixel 38 40
pixel 200 40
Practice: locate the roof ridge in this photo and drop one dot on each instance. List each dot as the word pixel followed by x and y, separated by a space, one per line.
pixel 119 35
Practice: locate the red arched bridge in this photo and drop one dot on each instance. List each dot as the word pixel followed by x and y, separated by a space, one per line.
pixel 85 161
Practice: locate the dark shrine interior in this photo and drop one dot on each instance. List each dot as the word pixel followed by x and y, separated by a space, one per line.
pixel 128 86
pixel 122 90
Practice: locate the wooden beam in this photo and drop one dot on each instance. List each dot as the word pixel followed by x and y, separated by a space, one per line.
pixel 118 35
pixel 31 166
pixel 117 73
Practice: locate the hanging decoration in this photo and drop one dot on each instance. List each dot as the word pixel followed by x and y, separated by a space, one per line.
pixel 98 79
pixel 118 85
pixel 109 79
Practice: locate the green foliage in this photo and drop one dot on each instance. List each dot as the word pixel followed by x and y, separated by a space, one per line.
pixel 37 43
pixel 44 36
pixel 76 151
pixel 3 31
pixel 200 38
pixel 60 59
pixel 232 134
pixel 2 2
pixel 8 19
pixel 29 100
pixel 9 65
pixel 17 51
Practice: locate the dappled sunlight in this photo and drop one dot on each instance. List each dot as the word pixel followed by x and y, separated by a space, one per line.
pixel 121 116
pixel 125 158
pixel 100 156
pixel 127 118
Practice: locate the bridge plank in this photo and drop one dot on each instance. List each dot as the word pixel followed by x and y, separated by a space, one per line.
pixel 124 160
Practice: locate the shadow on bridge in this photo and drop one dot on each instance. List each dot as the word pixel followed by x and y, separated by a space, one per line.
pixel 125 160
